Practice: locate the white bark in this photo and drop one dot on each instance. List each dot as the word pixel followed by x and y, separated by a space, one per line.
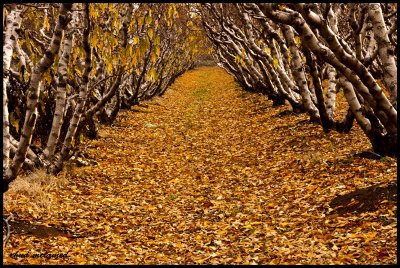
pixel 60 96
pixel 82 93
pixel 299 74
pixel 13 21
pixel 343 62
pixel 385 52
pixel 354 104
pixel 331 91
pixel 33 96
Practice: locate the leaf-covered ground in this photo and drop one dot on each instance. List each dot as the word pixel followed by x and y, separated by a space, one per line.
pixel 209 174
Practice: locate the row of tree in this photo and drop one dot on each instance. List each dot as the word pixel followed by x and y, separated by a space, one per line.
pixel 69 67
pixel 306 54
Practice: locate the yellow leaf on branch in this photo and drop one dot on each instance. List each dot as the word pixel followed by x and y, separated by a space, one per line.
pixel 276 63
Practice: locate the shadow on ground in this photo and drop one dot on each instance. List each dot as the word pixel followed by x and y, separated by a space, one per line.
pixel 23 227
pixel 365 199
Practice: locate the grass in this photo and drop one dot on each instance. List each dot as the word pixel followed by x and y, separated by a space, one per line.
pixel 200 93
pixel 193 107
pixel 34 188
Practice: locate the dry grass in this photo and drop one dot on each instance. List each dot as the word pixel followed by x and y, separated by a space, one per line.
pixel 35 189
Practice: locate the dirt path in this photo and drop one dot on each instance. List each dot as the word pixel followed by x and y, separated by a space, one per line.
pixel 210 174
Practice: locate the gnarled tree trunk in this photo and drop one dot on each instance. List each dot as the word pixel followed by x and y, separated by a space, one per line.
pixel 30 117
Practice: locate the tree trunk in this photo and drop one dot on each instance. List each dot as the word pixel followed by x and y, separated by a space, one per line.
pixel 30 117
pixel 13 21
pixel 82 95
pixel 60 97
pixel 331 92
pixel 299 74
pixel 385 51
pixel 325 121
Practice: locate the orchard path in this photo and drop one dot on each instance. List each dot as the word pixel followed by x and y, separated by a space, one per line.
pixel 211 174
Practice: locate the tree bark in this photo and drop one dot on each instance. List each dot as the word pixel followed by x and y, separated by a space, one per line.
pixel 31 114
pixel 13 21
pixel 82 95
pixel 60 96
pixel 299 74
pixel 385 51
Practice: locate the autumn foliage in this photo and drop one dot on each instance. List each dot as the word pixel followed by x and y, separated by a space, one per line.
pixel 304 54
pixel 99 59
pixel 120 146
pixel 209 174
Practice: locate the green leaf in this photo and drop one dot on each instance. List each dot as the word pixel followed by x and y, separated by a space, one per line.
pixel 150 125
